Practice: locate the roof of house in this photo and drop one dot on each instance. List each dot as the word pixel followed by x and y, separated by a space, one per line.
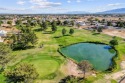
pixel 5 25
pixel 3 32
pixel 1 40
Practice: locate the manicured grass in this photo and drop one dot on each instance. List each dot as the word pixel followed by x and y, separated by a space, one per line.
pixel 45 65
pixel 2 78
pixel 47 60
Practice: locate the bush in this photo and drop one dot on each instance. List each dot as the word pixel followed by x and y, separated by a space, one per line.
pixel 71 79
pixel 113 42
pixel 71 31
pixel 99 29
pixel 63 31
pixel 23 73
pixel 50 76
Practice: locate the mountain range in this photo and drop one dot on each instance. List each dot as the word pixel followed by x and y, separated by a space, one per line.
pixel 77 12
pixel 114 11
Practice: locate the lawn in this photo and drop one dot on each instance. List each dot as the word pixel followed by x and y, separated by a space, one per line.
pixel 44 64
pixel 47 60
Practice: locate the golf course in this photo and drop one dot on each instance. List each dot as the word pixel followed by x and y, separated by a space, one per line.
pixel 48 61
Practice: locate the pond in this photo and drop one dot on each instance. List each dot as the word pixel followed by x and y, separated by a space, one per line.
pixel 99 55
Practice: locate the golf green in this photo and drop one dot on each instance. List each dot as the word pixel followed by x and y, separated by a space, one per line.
pixel 99 55
pixel 45 65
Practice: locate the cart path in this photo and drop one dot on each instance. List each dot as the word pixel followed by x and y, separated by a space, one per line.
pixel 118 75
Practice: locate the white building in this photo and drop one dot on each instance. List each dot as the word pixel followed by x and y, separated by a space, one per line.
pixel 3 33
pixel 1 40
pixel 81 23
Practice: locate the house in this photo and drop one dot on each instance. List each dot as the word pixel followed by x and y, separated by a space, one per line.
pixel 81 23
pixel 24 22
pixel 114 24
pixel 1 40
pixel 3 33
pixel 4 21
pixel 13 23
pixel 5 25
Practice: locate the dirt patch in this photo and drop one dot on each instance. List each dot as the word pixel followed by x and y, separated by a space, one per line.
pixel 115 32
pixel 123 65
pixel 118 75
pixel 71 68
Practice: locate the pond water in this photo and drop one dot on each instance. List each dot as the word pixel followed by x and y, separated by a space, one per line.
pixel 99 55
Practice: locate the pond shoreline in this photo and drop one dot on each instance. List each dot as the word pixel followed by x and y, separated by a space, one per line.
pixel 109 70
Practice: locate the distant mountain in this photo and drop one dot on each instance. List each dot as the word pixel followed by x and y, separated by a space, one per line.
pixel 77 12
pixel 115 11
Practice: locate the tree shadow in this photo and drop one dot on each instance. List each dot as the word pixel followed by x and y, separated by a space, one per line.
pixel 62 36
pixel 37 30
pixel 25 48
pixel 57 36
pixel 71 79
pixel 48 32
pixel 95 33
pixel 67 35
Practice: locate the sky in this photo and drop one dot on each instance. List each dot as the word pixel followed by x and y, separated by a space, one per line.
pixel 58 6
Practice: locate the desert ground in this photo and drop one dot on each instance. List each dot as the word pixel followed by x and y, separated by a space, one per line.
pixel 115 32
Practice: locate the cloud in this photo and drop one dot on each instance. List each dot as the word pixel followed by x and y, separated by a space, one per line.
pixel 90 0
pixel 78 1
pixel 43 4
pixel 3 8
pixel 115 4
pixel 35 4
pixel 14 9
pixel 21 2
pixel 69 1
pixel 60 9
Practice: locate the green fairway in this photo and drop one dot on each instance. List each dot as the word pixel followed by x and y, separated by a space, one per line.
pixel 2 78
pixel 45 65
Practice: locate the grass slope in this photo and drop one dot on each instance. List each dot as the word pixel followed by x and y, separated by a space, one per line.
pixel 45 65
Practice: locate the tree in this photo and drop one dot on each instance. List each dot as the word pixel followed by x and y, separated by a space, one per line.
pixel 65 22
pixel 23 39
pixel 113 42
pixel 63 31
pixel 96 19
pixel 4 54
pixel 44 25
pixel 33 38
pixel 1 22
pixel 70 79
pixel 103 20
pixel 78 25
pixel 120 24
pixel 58 22
pixel 99 29
pixel 71 31
pixel 84 66
pixel 72 23
pixel 54 28
pixel 90 20
pixel 109 23
pixel 9 22
pixel 23 73
pixel 18 22
pixel 33 23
